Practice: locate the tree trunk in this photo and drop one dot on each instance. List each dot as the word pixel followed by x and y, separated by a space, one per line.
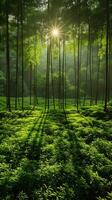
pixel 86 74
pixel 63 76
pixel 107 55
pixel 48 65
pixel 17 59
pixel 7 59
pixel 47 76
pixel 109 63
pixel 59 86
pixel 81 41
pixel 75 74
pixel 97 80
pixel 52 78
pixel 90 64
pixel 78 69
pixel 30 84
pixel 78 57
pixel 22 54
pixel 34 86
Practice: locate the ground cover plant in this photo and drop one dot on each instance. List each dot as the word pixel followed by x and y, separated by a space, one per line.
pixel 55 155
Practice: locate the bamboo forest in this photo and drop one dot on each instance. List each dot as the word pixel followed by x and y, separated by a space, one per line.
pixel 55 99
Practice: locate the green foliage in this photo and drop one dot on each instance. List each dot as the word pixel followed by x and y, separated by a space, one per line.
pixel 33 50
pixel 55 155
pixel 2 77
pixel 102 44
pixel 22 196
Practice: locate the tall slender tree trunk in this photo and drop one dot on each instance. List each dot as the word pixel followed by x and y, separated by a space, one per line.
pixel 90 64
pixel 36 82
pixel 109 63
pixel 47 91
pixel 75 72
pixel 103 90
pixel 7 59
pixel 63 76
pixel 17 58
pixel 86 74
pixel 34 86
pixel 81 41
pixel 22 54
pixel 35 73
pixel 30 84
pixel 107 55
pixel 97 79
pixel 110 60
pixel 52 78
pixel 47 77
pixel 78 69
pixel 78 57
pixel 60 78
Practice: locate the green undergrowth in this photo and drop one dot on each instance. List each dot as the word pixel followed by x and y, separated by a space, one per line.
pixel 56 155
pixel 97 112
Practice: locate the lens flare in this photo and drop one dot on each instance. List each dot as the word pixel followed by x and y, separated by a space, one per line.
pixel 55 32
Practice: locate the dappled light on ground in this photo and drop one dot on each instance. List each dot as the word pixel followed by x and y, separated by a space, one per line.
pixel 55 155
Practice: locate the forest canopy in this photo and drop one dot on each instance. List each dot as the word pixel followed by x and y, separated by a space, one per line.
pixel 37 62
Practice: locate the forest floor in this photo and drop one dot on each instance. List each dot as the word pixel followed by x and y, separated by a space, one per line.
pixel 56 155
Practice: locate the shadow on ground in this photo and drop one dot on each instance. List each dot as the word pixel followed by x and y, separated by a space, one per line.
pixel 53 160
